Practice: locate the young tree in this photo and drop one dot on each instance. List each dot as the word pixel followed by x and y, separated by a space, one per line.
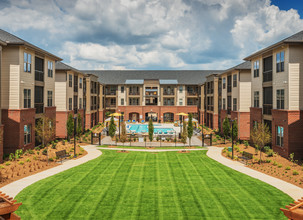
pixel 112 127
pixel 260 136
pixel 235 130
pixel 190 127
pixel 226 128
pixel 184 134
pixel 123 133
pixel 150 130
pixel 79 125
pixel 70 126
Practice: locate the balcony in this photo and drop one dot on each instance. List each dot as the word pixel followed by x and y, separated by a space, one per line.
pixel 168 93
pixel 75 88
pixel 134 93
pixel 267 109
pixel 228 88
pixel 210 108
pixel 75 110
pixel 110 93
pixel 39 108
pixel 267 76
pixel 228 111
pixel 39 75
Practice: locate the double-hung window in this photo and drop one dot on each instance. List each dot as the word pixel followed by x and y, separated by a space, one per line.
pixel 180 102
pixel 70 80
pixel 256 99
pixel 27 98
pixel 70 103
pixel 122 101
pixel 122 89
pixel 224 83
pixel 234 104
pixel 27 62
pixel 224 104
pixel 27 134
pixel 80 83
pixel 256 68
pixel 280 99
pixel 180 88
pixel 50 69
pixel 49 98
pixel 235 80
pixel 279 136
pixel 280 61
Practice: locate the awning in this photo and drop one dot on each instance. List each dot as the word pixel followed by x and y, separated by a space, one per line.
pixel 134 81
pixel 168 81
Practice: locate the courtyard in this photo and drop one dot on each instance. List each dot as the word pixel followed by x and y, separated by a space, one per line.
pixel 144 185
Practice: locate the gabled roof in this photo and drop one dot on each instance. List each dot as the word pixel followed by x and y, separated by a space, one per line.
pixel 242 66
pixel 184 77
pixel 296 38
pixel 11 39
pixel 65 67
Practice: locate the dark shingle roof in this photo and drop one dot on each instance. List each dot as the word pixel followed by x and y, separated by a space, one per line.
pixel 242 66
pixel 186 77
pixel 63 66
pixel 296 38
pixel 9 38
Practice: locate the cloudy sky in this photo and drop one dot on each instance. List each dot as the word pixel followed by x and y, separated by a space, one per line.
pixel 151 34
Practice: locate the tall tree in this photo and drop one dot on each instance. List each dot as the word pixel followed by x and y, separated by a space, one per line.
pixel 79 125
pixel 260 136
pixel 234 130
pixel 70 126
pixel 226 128
pixel 190 127
pixel 112 127
pixel 150 130
pixel 123 133
pixel 184 133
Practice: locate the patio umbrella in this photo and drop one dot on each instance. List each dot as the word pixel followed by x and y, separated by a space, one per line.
pixel 182 114
pixel 117 114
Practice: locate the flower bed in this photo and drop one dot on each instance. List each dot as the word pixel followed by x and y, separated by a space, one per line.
pixel 272 164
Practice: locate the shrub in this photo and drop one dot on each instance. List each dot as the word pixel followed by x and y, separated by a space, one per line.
pixel 11 156
pixel 30 151
pixel 279 165
pixel 266 148
pixel 51 159
pixel 215 140
pixel 38 152
pixel 237 148
pixel 28 160
pixel 1 167
pixel 35 157
pixel 275 163
pixel 44 152
pixel 246 143
pixel 295 173
pixel 270 153
pixel 158 138
pixel 268 161
pixel 287 168
pixel 7 163
pixel 37 148
pixel 21 162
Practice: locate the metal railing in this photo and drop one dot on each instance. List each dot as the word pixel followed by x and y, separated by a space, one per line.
pixel 39 108
pixel 267 109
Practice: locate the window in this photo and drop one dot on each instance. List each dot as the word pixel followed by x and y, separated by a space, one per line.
pixel 224 103
pixel 70 80
pixel 27 98
pixel 256 99
pixel 180 101
pixel 280 61
pixel 80 103
pixel 235 80
pixel 234 104
pixel 180 88
pixel 49 98
pixel 229 83
pixel 256 68
pixel 27 134
pixel 280 99
pixel 27 62
pixel 50 69
pixel 80 83
pixel 70 103
pixel 122 89
pixel 279 136
pixel 224 83
pixel 122 101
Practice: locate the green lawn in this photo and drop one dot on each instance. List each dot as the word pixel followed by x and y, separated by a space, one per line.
pixel 155 148
pixel 140 185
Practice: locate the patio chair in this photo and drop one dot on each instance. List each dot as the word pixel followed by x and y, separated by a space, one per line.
pixel 134 121
pixel 142 121
pixel 128 121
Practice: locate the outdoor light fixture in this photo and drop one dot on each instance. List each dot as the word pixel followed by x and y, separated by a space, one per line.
pixel 75 127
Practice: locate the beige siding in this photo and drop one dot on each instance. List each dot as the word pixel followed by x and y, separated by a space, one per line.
pixel 181 95
pixel 235 90
pixel 256 82
pixel 10 56
pixel 294 85
pixel 244 102
pixel 60 95
pixel 69 90
pixel 14 87
pixel 80 90
pixel 49 81
pixel 121 95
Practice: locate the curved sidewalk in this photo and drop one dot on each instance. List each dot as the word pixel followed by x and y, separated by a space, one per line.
pixel 151 150
pixel 14 188
pixel 293 191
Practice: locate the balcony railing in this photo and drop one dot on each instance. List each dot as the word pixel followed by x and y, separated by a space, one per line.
pixel 210 108
pixel 75 110
pixel 110 93
pixel 267 76
pixel 39 108
pixel 192 93
pixel 75 88
pixel 228 111
pixel 228 88
pixel 168 93
pixel 39 75
pixel 210 91
pixel 267 109
pixel 134 93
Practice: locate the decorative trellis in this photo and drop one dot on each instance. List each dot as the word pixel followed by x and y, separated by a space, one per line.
pixel 294 210
pixel 8 206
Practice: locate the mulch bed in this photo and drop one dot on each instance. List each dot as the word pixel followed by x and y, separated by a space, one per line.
pixel 122 151
pixel 184 151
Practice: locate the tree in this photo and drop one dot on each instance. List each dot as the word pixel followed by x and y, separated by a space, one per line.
pixel 260 136
pixel 112 127
pixel 226 128
pixel 70 126
pixel 150 130
pixel 190 127
pixel 123 133
pixel 184 134
pixel 79 125
pixel 234 130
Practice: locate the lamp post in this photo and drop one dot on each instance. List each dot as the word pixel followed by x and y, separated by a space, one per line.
pixel 175 138
pixel 202 133
pixel 119 123
pixel 75 127
pixel 232 138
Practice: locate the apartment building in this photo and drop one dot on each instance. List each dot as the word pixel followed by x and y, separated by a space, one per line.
pixel 27 90
pixel 211 99
pixel 69 96
pixel 159 95
pixel 2 43
pixel 236 93
pixel 277 94
pixel 92 100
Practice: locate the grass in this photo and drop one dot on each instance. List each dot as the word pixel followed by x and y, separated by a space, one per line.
pixel 155 148
pixel 140 185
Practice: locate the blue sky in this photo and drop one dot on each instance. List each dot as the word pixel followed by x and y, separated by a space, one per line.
pixel 154 34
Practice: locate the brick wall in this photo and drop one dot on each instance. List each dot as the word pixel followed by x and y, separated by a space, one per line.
pixel 243 120
pixel 255 115
pixel 61 119
pixel 14 121
pixel 223 115
pixel 1 142
pixel 87 121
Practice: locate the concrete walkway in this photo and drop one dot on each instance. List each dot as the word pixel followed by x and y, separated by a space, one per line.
pixel 150 150
pixel 14 188
pixel 293 191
